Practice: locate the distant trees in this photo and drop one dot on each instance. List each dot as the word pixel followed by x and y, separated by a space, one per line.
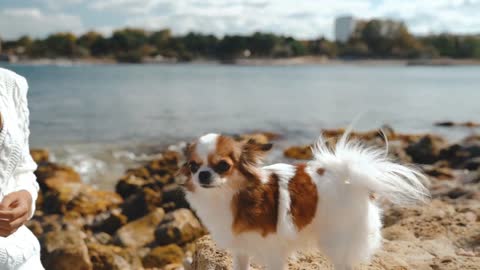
pixel 454 46
pixel 383 39
pixel 371 39
pixel 95 43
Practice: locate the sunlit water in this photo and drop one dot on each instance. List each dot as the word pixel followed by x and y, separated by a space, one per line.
pixel 103 118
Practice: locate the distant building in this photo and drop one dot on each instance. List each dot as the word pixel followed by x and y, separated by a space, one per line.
pixel 344 27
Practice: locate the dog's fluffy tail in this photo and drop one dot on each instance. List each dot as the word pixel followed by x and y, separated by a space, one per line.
pixel 353 163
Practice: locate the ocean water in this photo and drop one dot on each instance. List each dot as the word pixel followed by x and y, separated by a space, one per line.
pixel 104 118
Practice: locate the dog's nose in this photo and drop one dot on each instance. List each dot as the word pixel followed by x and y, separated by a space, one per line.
pixel 205 177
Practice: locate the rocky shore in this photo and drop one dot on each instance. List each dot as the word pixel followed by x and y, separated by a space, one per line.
pixel 146 223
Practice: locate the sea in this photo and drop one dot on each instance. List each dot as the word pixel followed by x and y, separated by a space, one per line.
pixel 103 119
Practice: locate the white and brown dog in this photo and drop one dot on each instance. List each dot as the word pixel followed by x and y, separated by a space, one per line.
pixel 270 212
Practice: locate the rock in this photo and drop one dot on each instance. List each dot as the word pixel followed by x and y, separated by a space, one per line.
pixel 299 152
pixel 109 222
pixel 103 238
pixel 51 176
pixel 459 124
pixel 78 198
pixel 164 255
pixel 167 164
pixel 429 236
pixel 472 164
pixel 208 257
pixel 174 198
pixel 439 172
pixel 174 266
pixel 261 137
pixel 40 155
pixel 129 185
pixel 445 124
pixel 459 155
pixel 65 250
pixel 154 175
pixel 180 227
pixel 108 257
pixel 140 232
pixel 256 137
pixel 53 223
pixel 426 150
pixel 141 203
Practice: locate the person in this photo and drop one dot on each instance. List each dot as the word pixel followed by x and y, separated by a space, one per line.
pixel 19 248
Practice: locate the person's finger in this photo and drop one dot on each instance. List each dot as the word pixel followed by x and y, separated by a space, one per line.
pixel 6 233
pixel 14 213
pixel 8 200
pixel 13 225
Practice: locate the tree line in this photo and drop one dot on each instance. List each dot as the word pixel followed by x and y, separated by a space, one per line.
pixel 370 39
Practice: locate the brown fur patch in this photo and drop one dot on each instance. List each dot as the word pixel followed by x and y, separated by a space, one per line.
pixel 252 154
pixel 255 208
pixel 227 150
pixel 303 196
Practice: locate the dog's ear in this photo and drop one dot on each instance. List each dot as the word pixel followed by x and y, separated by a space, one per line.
pixel 253 152
pixel 251 156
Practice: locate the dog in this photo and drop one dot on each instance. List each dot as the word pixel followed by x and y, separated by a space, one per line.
pixel 270 212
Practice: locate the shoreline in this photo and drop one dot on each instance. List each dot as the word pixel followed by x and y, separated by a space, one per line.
pixel 293 61
pixel 146 223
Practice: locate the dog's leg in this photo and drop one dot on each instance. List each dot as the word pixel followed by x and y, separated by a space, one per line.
pixel 241 262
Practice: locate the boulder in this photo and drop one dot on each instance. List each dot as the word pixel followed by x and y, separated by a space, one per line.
pixel 53 223
pixel 163 255
pixel 166 165
pixel 256 137
pixel 141 203
pixel 109 222
pixel 472 163
pixel 458 124
pixel 462 156
pixel 174 198
pixel 108 257
pixel 65 250
pixel 52 176
pixel 79 199
pixel 442 173
pixel 40 155
pixel 180 227
pixel 209 257
pixel 140 232
pixel 129 185
pixel 102 238
pixel 299 152
pixel 426 150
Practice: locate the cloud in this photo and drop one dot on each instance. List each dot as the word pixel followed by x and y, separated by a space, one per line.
pixel 299 18
pixel 15 22
pixel 129 6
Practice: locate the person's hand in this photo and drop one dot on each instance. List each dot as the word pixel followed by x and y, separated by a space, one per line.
pixel 15 209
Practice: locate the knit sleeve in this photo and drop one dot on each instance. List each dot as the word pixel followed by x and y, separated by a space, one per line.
pixel 25 178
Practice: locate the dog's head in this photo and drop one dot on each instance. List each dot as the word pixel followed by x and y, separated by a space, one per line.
pixel 215 161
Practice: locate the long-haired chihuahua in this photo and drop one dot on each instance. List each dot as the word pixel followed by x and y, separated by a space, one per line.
pixel 269 212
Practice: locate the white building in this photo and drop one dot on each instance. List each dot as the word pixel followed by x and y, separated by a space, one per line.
pixel 344 27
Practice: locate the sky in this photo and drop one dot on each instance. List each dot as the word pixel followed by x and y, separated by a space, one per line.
pixel 297 18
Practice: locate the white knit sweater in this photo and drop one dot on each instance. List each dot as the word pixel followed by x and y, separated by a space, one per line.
pixel 16 168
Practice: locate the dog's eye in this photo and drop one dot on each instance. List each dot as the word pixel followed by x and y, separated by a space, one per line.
pixel 222 167
pixel 193 166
